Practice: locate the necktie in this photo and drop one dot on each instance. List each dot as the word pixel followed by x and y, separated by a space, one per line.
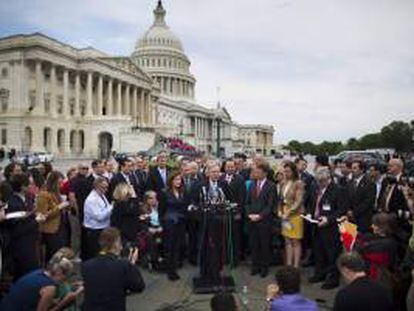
pixel 317 213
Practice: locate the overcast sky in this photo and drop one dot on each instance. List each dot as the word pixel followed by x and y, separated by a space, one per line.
pixel 317 69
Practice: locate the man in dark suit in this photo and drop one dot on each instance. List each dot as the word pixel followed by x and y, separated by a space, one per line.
pixel 326 242
pixel 362 199
pixel 98 170
pixel 308 202
pixel 192 185
pixel 107 278
pixel 213 231
pixel 393 201
pixel 158 175
pixel 361 293
pixel 141 177
pixel 260 205
pixel 235 183
pixel 80 188
pixel 123 176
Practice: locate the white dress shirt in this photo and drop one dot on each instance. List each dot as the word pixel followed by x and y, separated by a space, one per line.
pixel 97 211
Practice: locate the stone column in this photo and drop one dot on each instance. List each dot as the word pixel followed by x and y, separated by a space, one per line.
pixel 100 96
pixel 89 99
pixel 109 102
pixel 53 108
pixel 66 108
pixel 119 99
pixel 148 108
pixel 77 94
pixel 40 103
pixel 134 104
pixel 141 108
pixel 127 100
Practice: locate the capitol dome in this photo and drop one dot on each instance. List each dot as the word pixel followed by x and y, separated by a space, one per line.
pixel 159 35
pixel 160 53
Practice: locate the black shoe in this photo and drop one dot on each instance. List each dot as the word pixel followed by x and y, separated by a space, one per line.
pixel 173 276
pixel 330 284
pixel 254 271
pixel 264 272
pixel 316 279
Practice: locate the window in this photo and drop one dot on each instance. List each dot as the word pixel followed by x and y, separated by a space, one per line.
pixel 32 100
pixel 47 102
pixel 4 99
pixel 60 139
pixel 4 73
pixel 60 104
pixel 4 136
pixel 72 106
pixel 83 107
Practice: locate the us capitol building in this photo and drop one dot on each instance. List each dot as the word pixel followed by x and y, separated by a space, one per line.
pixel 85 103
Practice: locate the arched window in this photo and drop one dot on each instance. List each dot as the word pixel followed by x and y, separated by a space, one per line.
pixel 61 139
pixel 47 138
pixel 72 141
pixel 81 140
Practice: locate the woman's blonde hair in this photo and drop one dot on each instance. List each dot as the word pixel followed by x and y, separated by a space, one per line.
pixel 122 192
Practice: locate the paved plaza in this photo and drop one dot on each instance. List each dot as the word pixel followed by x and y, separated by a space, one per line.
pixel 161 293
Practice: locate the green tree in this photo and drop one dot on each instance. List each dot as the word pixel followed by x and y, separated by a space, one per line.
pixel 295 146
pixel 353 144
pixel 397 135
pixel 371 141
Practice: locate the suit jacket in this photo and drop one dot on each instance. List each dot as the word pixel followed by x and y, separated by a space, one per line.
pixel 237 189
pixel 265 203
pixel 48 205
pixel 107 281
pixel 192 188
pixel 117 179
pixel 155 180
pixel 142 181
pixel 309 196
pixel 81 187
pixel 173 209
pixel 396 200
pixel 331 205
pixel 362 203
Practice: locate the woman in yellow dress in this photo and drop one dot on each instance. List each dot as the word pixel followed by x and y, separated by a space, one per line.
pixel 290 210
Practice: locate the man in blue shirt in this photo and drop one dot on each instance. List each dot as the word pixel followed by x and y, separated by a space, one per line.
pixel 285 293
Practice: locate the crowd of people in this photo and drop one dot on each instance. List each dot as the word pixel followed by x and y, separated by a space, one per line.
pixel 114 216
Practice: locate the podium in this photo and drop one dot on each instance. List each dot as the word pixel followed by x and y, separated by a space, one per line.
pixel 216 248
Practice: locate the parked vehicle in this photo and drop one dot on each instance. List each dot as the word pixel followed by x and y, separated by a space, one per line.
pixel 278 155
pixel 45 156
pixel 28 159
pixel 368 157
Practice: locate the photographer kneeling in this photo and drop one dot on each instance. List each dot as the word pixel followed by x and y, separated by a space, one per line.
pixel 108 278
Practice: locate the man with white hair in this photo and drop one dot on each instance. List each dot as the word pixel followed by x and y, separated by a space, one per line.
pixel 392 199
pixel 326 242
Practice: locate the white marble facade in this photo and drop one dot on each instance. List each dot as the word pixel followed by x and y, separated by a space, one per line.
pixel 83 102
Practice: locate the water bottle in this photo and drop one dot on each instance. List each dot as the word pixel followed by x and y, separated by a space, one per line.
pixel 244 298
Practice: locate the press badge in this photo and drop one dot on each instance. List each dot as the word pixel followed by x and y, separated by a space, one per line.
pixel 326 207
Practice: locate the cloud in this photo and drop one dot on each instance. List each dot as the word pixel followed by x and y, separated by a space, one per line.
pixel 319 70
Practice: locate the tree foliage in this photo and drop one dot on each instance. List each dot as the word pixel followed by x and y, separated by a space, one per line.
pixel 397 135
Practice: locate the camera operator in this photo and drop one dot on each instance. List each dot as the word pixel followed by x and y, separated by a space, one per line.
pixel 108 278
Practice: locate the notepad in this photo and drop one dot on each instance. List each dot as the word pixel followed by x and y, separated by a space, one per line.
pixel 309 219
pixel 16 215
